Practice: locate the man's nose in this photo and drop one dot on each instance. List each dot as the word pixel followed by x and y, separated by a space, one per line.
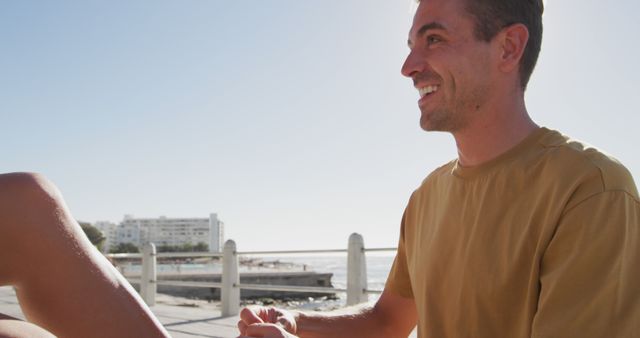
pixel 412 65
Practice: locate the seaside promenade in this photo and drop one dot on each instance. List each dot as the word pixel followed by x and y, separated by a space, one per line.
pixel 182 320
pixel 186 317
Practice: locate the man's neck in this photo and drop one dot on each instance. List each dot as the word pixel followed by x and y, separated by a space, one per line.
pixel 490 137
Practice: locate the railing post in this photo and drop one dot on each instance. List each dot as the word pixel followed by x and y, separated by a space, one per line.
pixel 230 293
pixel 356 271
pixel 148 286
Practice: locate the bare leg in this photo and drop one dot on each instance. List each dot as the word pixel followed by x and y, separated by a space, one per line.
pixel 63 283
pixel 15 328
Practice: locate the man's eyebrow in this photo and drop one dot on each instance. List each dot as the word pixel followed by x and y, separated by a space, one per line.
pixel 425 28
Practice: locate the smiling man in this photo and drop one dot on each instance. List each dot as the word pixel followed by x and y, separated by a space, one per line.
pixel 528 233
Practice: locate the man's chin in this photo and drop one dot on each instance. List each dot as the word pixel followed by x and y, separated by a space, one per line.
pixel 427 124
pixel 439 121
pixel 426 127
pixel 428 119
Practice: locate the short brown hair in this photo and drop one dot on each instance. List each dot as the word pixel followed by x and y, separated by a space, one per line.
pixel 491 16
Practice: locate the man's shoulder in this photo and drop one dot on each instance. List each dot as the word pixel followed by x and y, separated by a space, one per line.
pixel 443 170
pixel 431 180
pixel 581 160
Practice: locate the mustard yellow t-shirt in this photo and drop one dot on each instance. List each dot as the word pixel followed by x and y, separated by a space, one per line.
pixel 543 241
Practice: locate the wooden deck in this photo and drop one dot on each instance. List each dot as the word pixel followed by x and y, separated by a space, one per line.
pixel 182 321
pixel 182 318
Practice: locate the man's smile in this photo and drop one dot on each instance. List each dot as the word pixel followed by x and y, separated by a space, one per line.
pixel 427 90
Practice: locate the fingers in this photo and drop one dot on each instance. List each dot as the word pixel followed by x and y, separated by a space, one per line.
pixel 266 331
pixel 287 324
pixel 242 327
pixel 268 322
pixel 251 316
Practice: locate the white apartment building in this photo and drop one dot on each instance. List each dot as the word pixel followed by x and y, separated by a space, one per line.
pixel 166 231
pixel 216 234
pixel 110 232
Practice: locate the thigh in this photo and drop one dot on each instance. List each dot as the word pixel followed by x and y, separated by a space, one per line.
pixel 14 328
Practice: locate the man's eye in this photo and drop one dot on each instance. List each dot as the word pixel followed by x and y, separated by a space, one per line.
pixel 431 39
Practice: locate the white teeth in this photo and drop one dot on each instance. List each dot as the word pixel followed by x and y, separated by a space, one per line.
pixel 427 90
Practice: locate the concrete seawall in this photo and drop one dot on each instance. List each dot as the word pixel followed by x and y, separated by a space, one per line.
pixel 300 278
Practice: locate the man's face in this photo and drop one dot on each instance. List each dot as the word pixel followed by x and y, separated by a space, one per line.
pixel 450 68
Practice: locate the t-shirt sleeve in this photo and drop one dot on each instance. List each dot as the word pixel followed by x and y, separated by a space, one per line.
pixel 590 272
pixel 398 281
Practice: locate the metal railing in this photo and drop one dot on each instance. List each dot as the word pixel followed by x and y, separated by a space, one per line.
pixel 356 290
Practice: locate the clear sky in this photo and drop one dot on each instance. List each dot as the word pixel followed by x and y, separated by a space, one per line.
pixel 290 119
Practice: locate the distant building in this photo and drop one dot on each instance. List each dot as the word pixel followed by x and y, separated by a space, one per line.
pixel 165 231
pixel 110 232
pixel 216 234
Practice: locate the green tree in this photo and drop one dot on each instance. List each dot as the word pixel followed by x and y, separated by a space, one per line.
pixel 186 247
pixel 166 248
pixel 95 236
pixel 124 248
pixel 201 247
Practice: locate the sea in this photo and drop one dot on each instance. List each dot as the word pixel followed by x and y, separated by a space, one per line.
pixel 378 266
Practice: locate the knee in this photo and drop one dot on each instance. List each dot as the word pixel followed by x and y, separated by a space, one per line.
pixel 27 190
pixel 31 210
pixel 28 202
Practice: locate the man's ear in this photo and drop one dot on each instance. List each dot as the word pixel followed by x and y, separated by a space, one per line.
pixel 512 42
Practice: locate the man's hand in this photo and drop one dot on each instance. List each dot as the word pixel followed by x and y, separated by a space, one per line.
pixel 392 316
pixel 266 331
pixel 260 321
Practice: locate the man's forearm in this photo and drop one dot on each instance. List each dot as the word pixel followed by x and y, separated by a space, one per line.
pixel 350 323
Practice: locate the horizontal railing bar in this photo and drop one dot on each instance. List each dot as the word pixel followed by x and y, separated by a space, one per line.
pixel 168 255
pixel 134 280
pixel 188 254
pixel 289 288
pixel 379 249
pixel 264 287
pixel 290 252
pixel 124 255
pixel 189 284
pixel 219 255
